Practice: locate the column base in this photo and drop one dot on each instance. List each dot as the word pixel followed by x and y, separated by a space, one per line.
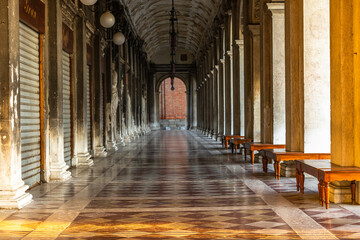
pixel 219 137
pixel 59 173
pixel 83 159
pixel 126 138
pixel 154 126
pixel 100 152
pixel 15 199
pixel 340 192
pixel 112 146
pixel 288 169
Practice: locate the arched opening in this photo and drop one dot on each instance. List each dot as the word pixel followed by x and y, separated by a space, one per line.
pixel 172 105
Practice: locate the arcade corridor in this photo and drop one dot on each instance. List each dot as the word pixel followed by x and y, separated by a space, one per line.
pixel 176 185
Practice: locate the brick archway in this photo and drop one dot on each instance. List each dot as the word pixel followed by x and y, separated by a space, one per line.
pixel 172 104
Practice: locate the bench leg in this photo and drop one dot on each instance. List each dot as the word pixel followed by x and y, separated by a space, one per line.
pixel 353 186
pixel 252 157
pixel 275 169
pixel 232 147
pixel 326 194
pixel 297 180
pixel 236 147
pixel 302 180
pixel 265 163
pixel 321 193
pixel 278 170
pixel 226 144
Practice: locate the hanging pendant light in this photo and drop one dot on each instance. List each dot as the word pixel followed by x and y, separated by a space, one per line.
pixel 88 2
pixel 119 38
pixel 107 19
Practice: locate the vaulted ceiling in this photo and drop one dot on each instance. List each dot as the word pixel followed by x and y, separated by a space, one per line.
pixel 151 21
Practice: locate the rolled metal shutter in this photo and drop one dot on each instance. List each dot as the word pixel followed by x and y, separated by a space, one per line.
pixel 30 105
pixel 88 111
pixel 67 108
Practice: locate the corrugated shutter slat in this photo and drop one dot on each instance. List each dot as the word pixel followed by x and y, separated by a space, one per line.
pixel 30 105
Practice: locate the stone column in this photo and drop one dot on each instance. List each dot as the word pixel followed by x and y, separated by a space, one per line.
pixel 266 87
pixel 294 77
pixel 317 76
pixel 188 109
pixel 228 76
pixel 221 97
pixel 252 85
pixel 55 166
pixel 221 83
pixel 278 72
pixel 215 106
pixel 240 44
pixel 12 188
pixel 207 105
pixel 194 123
pixel 100 150
pixel 157 104
pixel 345 90
pixel 236 76
pixel 81 153
pixel 151 103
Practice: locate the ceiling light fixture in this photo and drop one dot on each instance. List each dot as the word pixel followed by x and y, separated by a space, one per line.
pixel 173 43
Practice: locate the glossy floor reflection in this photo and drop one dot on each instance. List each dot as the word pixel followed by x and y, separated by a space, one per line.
pixel 177 185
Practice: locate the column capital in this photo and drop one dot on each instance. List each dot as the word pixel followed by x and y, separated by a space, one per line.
pixel 239 42
pixel 217 67
pixel 229 53
pixel 229 12
pixel 276 8
pixel 222 61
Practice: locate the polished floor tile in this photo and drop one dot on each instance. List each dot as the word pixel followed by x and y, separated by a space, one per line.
pixel 177 185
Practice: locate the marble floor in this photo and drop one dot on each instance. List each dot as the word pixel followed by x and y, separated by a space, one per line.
pixel 177 185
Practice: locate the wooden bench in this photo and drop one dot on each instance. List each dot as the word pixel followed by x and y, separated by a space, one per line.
pixel 326 172
pixel 235 142
pixel 227 138
pixel 279 155
pixel 252 147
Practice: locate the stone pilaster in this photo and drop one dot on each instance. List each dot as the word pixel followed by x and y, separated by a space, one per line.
pixel 82 156
pixel 12 187
pixel 278 72
pixel 228 76
pixel 100 150
pixel 240 44
pixel 252 84
pixel 55 168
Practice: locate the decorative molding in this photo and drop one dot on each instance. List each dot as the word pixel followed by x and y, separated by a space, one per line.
pixel 69 10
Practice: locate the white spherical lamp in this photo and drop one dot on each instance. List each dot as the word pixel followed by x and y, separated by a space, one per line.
pixel 88 2
pixel 119 38
pixel 107 19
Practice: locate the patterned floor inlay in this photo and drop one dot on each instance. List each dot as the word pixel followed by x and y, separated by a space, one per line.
pixel 245 224
pixel 177 185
